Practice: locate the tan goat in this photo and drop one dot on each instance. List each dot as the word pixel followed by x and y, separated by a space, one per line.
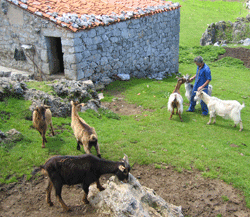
pixel 41 119
pixel 84 134
pixel 175 100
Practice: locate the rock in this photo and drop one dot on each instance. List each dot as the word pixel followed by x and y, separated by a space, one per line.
pixel 59 107
pixel 2 135
pixel 99 87
pixel 124 77
pixel 130 199
pixel 11 137
pixel 246 42
pixel 221 31
pixel 100 96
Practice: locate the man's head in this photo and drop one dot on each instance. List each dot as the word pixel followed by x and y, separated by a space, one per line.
pixel 199 61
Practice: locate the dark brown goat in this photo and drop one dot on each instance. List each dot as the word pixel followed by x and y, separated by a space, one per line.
pixel 41 119
pixel 85 169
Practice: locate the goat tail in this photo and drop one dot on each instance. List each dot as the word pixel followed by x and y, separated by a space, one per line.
pixel 242 106
pixel 36 170
pixel 93 138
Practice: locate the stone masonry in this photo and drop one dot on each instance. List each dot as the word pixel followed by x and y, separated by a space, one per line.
pixel 138 47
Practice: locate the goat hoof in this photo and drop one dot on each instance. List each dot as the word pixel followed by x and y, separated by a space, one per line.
pixel 78 148
pixel 240 130
pixel 67 209
pixel 85 201
pixel 102 189
pixel 43 146
pixel 99 156
pixel 50 204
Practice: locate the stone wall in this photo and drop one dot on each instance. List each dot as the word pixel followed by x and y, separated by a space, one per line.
pixel 19 27
pixel 139 47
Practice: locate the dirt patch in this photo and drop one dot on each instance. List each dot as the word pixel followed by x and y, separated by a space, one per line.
pixel 239 53
pixel 197 196
pixel 120 106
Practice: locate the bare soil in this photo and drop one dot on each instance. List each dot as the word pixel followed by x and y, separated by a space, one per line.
pixel 240 53
pixel 197 196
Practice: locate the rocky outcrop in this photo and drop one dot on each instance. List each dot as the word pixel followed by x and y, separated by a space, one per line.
pixel 65 91
pixel 9 138
pixel 130 199
pixel 227 32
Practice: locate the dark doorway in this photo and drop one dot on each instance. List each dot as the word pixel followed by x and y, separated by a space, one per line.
pixel 55 55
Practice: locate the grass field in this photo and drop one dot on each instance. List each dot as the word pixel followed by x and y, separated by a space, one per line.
pixel 150 138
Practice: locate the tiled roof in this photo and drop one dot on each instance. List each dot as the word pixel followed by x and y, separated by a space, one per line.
pixel 82 14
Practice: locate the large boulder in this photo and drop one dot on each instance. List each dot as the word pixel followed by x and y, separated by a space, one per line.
pixel 229 32
pixel 130 199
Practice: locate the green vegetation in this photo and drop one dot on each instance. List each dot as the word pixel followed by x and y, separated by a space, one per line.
pixel 150 137
pixel 196 15
pixel 225 198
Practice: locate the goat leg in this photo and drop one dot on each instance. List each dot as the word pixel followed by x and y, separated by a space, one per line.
pixel 67 209
pixel 180 117
pixel 44 141
pixel 48 193
pixel 99 186
pixel 241 126
pixel 52 129
pixel 78 145
pixel 210 118
pixel 171 115
pixel 58 188
pixel 85 196
pixel 97 148
pixel 86 149
pixel 214 120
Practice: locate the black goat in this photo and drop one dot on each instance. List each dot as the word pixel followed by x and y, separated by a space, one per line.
pixel 85 169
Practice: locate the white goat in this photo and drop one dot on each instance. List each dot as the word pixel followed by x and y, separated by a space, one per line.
pixel 175 100
pixel 224 108
pixel 189 88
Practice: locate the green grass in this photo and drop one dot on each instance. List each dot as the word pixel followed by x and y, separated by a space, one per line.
pixel 147 138
pixel 150 138
pixel 196 14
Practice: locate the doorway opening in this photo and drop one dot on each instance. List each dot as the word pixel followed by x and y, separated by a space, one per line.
pixel 55 55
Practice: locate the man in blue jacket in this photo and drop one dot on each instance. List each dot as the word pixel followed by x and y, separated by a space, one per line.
pixel 202 79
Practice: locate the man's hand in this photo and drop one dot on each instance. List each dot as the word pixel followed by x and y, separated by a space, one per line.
pixel 199 88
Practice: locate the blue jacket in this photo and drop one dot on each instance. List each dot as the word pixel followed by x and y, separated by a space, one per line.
pixel 202 77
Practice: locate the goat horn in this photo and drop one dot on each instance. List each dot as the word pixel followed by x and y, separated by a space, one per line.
pixel 125 159
pixel 203 89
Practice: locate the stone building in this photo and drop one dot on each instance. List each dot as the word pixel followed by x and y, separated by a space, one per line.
pixel 90 39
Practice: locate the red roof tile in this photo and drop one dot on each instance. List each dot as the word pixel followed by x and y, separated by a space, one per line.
pixel 70 11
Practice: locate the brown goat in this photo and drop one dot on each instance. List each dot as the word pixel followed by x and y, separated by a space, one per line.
pixel 84 134
pixel 83 169
pixel 41 119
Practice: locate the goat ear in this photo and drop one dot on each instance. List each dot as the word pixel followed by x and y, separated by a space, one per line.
pixel 121 168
